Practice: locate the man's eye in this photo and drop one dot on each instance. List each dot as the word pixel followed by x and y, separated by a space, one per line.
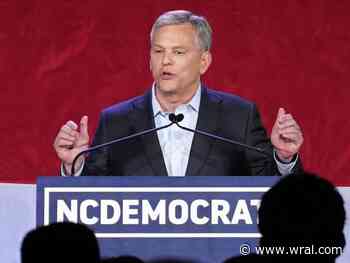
pixel 158 51
pixel 179 52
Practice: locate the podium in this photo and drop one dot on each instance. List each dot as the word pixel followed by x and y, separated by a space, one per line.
pixel 204 219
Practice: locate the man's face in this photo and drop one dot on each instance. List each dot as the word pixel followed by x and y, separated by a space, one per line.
pixel 177 60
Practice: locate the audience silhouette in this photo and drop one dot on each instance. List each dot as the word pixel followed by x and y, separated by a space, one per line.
pixel 304 216
pixel 60 243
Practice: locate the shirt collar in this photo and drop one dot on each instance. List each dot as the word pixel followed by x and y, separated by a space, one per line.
pixel 193 103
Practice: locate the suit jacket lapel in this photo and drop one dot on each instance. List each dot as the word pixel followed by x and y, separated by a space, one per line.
pixel 209 113
pixel 142 119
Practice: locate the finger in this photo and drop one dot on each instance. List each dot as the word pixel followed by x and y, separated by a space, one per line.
pixel 286 117
pixel 292 136
pixel 68 130
pixel 84 126
pixel 72 125
pixel 291 125
pixel 280 113
pixel 67 136
pixel 292 129
pixel 64 143
pixel 286 123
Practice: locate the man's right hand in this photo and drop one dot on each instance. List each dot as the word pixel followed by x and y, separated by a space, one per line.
pixel 70 141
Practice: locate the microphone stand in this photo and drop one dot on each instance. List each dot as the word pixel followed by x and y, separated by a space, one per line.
pixel 122 139
pixel 178 118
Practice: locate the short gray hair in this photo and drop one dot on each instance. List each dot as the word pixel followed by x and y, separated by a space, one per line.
pixel 177 17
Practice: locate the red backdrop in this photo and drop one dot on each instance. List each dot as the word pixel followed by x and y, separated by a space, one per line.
pixel 62 59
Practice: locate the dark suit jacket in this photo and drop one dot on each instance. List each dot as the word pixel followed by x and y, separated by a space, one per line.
pixel 219 113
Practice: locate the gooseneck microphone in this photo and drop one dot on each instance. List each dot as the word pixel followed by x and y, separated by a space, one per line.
pixel 176 118
pixel 179 117
pixel 118 140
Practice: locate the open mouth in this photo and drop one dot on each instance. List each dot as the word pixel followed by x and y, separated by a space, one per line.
pixel 166 75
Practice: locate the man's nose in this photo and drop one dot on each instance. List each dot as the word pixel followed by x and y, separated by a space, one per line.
pixel 167 58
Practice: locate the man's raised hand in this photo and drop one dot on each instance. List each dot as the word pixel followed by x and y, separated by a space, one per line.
pixel 286 136
pixel 70 141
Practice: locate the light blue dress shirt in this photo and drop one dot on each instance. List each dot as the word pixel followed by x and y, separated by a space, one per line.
pixel 174 141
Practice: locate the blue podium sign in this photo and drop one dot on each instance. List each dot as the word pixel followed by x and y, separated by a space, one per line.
pixel 206 219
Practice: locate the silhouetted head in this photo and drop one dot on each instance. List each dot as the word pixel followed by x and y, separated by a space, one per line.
pixel 60 243
pixel 302 210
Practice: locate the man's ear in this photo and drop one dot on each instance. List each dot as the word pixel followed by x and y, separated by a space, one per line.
pixel 206 59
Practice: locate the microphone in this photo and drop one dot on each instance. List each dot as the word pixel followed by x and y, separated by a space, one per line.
pixel 118 140
pixel 179 117
pixel 176 118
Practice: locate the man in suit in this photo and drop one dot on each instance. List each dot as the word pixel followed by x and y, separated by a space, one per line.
pixel 179 55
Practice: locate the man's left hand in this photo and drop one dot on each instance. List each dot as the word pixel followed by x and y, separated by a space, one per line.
pixel 286 136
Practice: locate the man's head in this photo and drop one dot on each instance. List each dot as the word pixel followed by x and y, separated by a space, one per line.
pixel 302 210
pixel 178 17
pixel 60 242
pixel 180 52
